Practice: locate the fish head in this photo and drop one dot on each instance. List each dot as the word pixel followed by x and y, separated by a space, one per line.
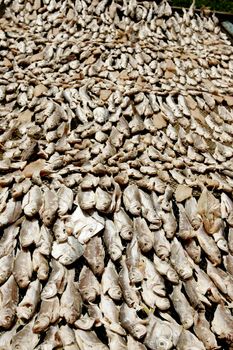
pixel 49 291
pixel 65 259
pixel 71 315
pixel 196 222
pixel 145 244
pixel 188 322
pixel 115 252
pixel 47 219
pixel 98 268
pixel 115 292
pixel 172 276
pixel 185 273
pixel 30 210
pixel 222 244
pixel 23 281
pixel 61 236
pixel 41 324
pixel 43 273
pixel 162 252
pixel 6 317
pixel 135 209
pixel 24 312
pixel 135 275
pixel 139 331
pixel 126 233
pixel 89 294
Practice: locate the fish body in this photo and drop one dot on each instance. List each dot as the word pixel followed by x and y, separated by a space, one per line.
pixel 71 301
pixel 112 240
pixel 133 261
pixel 110 282
pixel 22 270
pixel 26 308
pixel 94 254
pixel 9 297
pixel 32 201
pixel 131 322
pixel 182 307
pixel 49 207
pixel 48 314
pixel 179 260
pixel 89 286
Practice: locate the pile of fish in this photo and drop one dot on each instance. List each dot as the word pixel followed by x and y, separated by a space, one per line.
pixel 116 205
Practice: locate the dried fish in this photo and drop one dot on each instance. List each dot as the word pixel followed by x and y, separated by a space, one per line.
pixel 29 233
pixel 32 201
pixel 27 307
pixel 49 207
pixel 89 286
pixel 88 340
pixel 182 307
pixel 124 224
pixel 22 270
pixel 20 339
pixel 110 282
pixel 129 292
pixel 48 314
pixel 94 254
pixel 40 265
pixel 71 301
pixel 131 322
pixel 165 269
pixel 179 260
pixel 112 240
pixel 131 200
pixel 134 261
pixel 203 332
pixel 111 315
pixel 67 252
pixel 65 200
pixel 209 246
pixel 11 213
pixel 56 282
pixel 67 337
pixel 159 334
pixel 9 297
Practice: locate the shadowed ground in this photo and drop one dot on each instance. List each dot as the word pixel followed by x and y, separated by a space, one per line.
pixel 217 5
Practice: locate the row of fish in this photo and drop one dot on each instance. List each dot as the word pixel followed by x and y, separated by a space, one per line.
pixel 199 225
